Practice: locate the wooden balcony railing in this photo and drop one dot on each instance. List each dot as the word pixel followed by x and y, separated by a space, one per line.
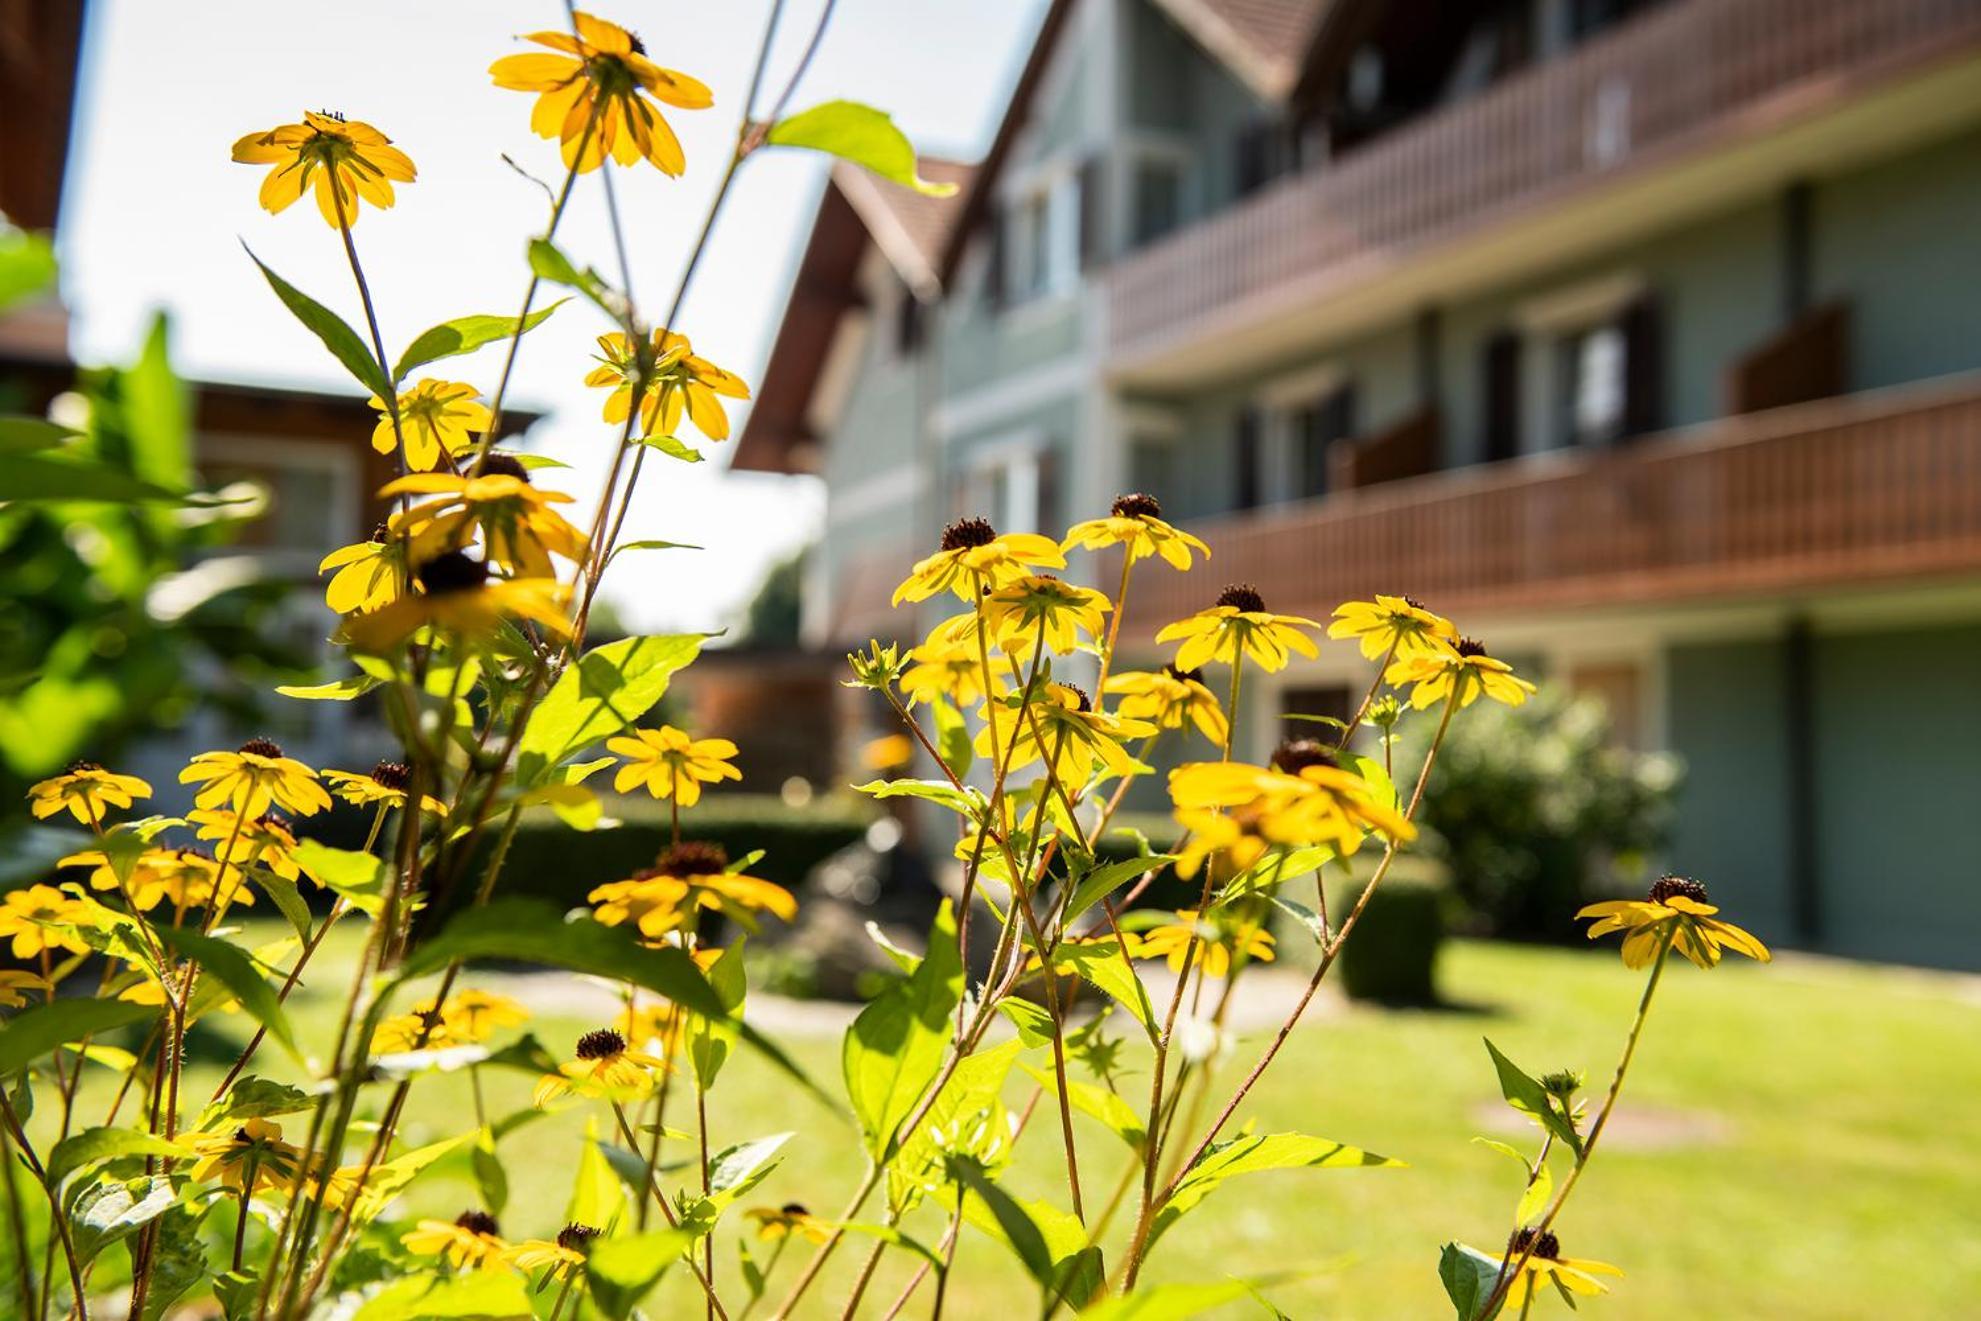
pixel 1853 489
pixel 1655 86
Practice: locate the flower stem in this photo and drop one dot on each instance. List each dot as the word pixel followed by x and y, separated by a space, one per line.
pixel 56 1216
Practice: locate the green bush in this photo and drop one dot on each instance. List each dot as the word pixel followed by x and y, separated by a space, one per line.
pixel 1392 957
pixel 1534 808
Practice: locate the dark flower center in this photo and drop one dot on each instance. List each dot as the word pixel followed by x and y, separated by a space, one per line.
pixel 1542 1244
pixel 1185 676
pixel 794 1209
pixel 1137 505
pixel 692 857
pixel 1079 696
pixel 83 767
pixel 392 774
pixel 478 1222
pixel 276 821
pixel 1414 603
pixel 1296 755
pixel 381 534
pixel 966 533
pixel 262 747
pixel 508 465
pixel 599 1045
pixel 1471 647
pixel 1667 887
pixel 451 572
pixel 242 1136
pixel 639 48
pixel 1243 597
pixel 575 1237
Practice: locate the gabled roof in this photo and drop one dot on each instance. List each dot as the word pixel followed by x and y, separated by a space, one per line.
pixel 908 227
pixel 1263 42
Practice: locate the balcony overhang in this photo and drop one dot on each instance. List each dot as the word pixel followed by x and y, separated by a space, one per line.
pixel 1516 181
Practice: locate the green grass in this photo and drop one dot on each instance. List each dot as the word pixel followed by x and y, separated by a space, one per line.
pixel 1845 1150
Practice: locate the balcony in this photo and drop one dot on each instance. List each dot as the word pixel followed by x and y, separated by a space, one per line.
pixel 1837 492
pixel 1698 104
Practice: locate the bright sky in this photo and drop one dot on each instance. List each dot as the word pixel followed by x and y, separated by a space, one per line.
pixel 156 211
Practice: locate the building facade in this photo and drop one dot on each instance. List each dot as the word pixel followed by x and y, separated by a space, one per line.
pixel 1641 335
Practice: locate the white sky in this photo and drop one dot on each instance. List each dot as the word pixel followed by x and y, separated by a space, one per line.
pixel 155 212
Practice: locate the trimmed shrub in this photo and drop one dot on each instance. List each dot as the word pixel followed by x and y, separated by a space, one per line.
pixel 1392 956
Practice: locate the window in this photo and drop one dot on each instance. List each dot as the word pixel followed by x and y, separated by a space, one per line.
pixel 1015 484
pixel 1590 363
pixel 1247 460
pixel 1591 372
pixel 315 491
pixel 907 324
pixel 1042 239
pixel 1158 184
pixel 1314 427
pixel 1152 469
pixel 1330 701
pixel 1267 149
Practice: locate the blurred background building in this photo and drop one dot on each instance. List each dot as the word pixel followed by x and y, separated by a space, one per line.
pixel 1639 335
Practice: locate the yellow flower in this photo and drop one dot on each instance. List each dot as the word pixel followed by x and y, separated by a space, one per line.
pixel 471 1016
pixel 1136 522
pixel 349 159
pixel 435 416
pixel 1039 605
pixel 689 875
pixel 889 752
pixel 14 980
pixel 1168 697
pixel 652 1025
pixel 1060 723
pixel 1675 910
pixel 369 574
pixel 563 1256
pixel 1546 1265
pixel 421 1028
pixel 87 792
pixel 671 764
pixel 1392 624
pixel 254 1149
pixel 1215 943
pixel 519 529
pixel 185 877
pixel 606 1067
pixel 593 97
pixel 972 557
pixel 676 380
pixel 1239 624
pixel 948 665
pixel 457 596
pixel 653 903
pixel 1465 668
pixel 249 780
pixel 473 1239
pixel 1302 799
pixel 266 840
pixel 387 783
pixel 775 1222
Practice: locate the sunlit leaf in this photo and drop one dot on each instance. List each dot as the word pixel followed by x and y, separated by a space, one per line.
pixel 358 877
pixel 240 975
pixel 1525 1094
pixel 861 134
pixel 967 802
pixel 952 738
pixel 1096 1102
pixel 673 448
pixel 1251 1155
pixel 1105 879
pixel 341 690
pixel 600 695
pixel 35 1032
pixel 622 1271
pixel 709 1040
pixel 1468 1276
pixel 483 1295
pixel 326 325
pixel 24 435
pixel 895 1047
pixel 1100 963
pixel 178 1257
pixel 79 1151
pixel 972 1090
pixel 106 1210
pixel 465 335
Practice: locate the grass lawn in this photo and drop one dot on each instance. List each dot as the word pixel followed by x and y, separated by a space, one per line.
pixel 1806 1145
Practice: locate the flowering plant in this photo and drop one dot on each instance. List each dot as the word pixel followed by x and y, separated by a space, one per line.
pixel 466 612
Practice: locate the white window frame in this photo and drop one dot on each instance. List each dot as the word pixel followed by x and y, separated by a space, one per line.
pixel 1017 457
pixel 1279 401
pixel 340 465
pixel 1543 322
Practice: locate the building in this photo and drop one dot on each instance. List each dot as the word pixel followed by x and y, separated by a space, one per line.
pixel 1641 336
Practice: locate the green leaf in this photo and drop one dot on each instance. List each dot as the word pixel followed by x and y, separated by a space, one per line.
pixel 1169 1302
pixel 1526 1095
pixel 254 1098
pixel 490 1178
pixel 966 802
pixel 1381 788
pixel 889 1235
pixel 31 477
pixel 465 335
pixel 178 1258
pixel 1534 1200
pixel 673 448
pixel 548 262
pixel 709 1040
pixel 952 738
pixel 395 1176
pixel 621 1271
pixel 1034 1024
pixel 27 265
pixel 734 1173
pixel 288 899
pixel 240 975
pixel 1252 1154
pixel 359 877
pixel 108 1210
pixel 861 134
pixel 81 1150
pixel 600 695
pixel 971 1093
pixel 1100 963
pixel 483 1295
pixel 235 1292
pixel 340 339
pixel 649 544
pixel 1468 1276
pixel 1277 868
pixel 1105 879
pixel 597 1194
pixel 23 435
pixel 35 1032
pixel 894 1049
pixel 342 690
pixel 1014 1225
pixel 1098 1103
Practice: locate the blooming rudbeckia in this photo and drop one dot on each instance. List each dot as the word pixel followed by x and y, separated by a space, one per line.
pixel 1676 909
pixel 421 1028
pixel 1465 668
pixel 473 1239
pixel 369 574
pixel 435 417
pixel 472 1015
pixel 670 764
pixel 266 840
pixel 249 780
pixel 593 97
pixel 519 529
pixel 692 874
pixel 1167 697
pixel 1302 799
pixel 1239 624
pixel 563 1256
pixel 652 1025
pixel 605 1067
pixel 679 380
pixel 1392 624
pixel 1546 1265
pixel 776 1222
pixel 1136 522
pixel 972 557
pixel 254 1149
pixel 1214 944
pixel 1060 723
pixel 457 596
pixel 185 877
pixel 15 980
pixel 348 159
pixel 946 667
pixel 1039 605
pixel 87 792
pixel 387 783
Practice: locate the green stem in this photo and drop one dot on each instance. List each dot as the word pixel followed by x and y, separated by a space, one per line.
pixel 56 1218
